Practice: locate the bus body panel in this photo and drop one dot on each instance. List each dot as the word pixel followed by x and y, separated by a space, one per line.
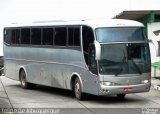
pixel 45 67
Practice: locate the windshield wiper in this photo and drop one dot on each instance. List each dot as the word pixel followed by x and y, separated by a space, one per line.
pixel 136 66
pixel 119 72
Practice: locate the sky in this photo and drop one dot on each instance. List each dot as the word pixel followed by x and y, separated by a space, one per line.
pixel 28 10
pixel 35 10
pixel 21 11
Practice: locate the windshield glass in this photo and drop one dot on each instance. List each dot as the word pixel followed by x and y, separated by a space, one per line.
pixel 120 34
pixel 127 58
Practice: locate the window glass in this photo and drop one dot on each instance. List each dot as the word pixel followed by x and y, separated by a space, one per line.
pixel 13 36
pixel 120 34
pixel 130 58
pixel 87 39
pixel 73 36
pixel 47 36
pixel 36 36
pixel 18 36
pixel 7 36
pixel 25 36
pixel 15 39
pixel 60 36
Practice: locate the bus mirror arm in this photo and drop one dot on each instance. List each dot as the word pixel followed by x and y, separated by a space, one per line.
pixel 97 50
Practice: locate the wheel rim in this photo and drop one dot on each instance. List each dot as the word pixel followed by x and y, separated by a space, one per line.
pixel 77 90
pixel 23 79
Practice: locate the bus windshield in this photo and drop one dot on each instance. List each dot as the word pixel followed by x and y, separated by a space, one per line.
pixel 120 34
pixel 127 58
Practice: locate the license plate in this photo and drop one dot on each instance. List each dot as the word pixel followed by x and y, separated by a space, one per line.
pixel 127 89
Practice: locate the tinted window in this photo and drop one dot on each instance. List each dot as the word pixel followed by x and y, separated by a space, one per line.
pixel 88 39
pixel 13 36
pixel 128 58
pixel 36 36
pixel 7 35
pixel 120 34
pixel 60 36
pixel 25 36
pixel 73 36
pixel 15 39
pixel 47 36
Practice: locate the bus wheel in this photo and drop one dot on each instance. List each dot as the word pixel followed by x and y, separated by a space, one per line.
pixel 121 96
pixel 77 89
pixel 23 80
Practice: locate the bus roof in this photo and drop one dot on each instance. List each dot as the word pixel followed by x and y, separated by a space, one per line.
pixel 91 23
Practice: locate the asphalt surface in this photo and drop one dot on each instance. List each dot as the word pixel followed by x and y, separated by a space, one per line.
pixel 49 100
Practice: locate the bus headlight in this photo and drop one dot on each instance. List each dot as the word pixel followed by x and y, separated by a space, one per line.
pixel 108 83
pixel 145 81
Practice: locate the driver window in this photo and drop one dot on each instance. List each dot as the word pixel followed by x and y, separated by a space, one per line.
pixel 87 38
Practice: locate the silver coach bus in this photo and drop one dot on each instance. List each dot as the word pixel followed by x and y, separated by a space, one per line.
pixel 99 57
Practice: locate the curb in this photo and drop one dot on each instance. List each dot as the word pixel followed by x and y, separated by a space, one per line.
pixel 155 87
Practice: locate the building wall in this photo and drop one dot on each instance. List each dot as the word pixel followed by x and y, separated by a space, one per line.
pixel 153 35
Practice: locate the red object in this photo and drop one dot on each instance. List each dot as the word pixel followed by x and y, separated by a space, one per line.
pixel 127 89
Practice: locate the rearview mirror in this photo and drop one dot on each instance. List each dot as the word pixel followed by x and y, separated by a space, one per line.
pixel 98 50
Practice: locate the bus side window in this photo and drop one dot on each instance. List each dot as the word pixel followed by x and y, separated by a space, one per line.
pixel 87 39
pixel 47 36
pixel 12 36
pixel 25 36
pixel 7 36
pixel 36 36
pixel 15 36
pixel 73 36
pixel 60 36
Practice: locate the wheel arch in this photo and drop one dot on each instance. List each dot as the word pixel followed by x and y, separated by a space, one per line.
pixel 73 77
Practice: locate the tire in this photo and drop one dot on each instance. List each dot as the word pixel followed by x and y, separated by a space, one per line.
pixel 78 90
pixel 121 96
pixel 23 80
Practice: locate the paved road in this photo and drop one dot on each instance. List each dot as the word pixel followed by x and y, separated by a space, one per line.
pixel 62 101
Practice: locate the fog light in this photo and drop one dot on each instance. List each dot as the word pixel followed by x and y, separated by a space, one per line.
pixel 108 83
pixel 145 81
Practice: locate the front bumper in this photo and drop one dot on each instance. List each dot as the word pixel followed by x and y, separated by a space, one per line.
pixel 124 89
